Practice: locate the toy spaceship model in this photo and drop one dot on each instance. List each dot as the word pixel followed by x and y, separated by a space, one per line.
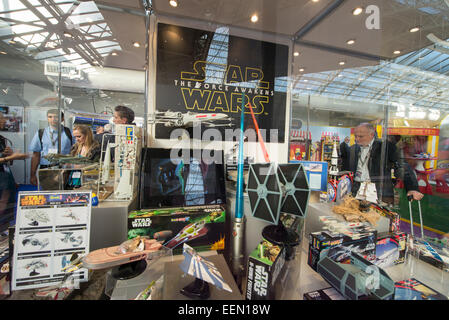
pixel 72 216
pixel 31 240
pixel 189 232
pixel 61 159
pixel 36 217
pixel 35 265
pixel 131 250
pixel 179 119
pixel 204 271
pixel 70 238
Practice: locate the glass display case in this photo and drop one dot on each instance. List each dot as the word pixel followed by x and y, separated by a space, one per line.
pixel 69 176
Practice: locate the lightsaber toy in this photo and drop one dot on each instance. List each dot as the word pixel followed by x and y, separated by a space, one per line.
pixel 256 126
pixel 238 223
pixel 239 194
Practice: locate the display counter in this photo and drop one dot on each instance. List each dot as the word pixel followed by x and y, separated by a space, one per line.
pixel 109 223
pixel 411 268
pixel 167 270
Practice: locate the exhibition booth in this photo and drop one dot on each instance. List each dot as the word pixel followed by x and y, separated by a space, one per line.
pixel 241 171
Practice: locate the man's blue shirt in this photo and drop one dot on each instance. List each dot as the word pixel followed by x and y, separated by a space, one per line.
pixel 49 143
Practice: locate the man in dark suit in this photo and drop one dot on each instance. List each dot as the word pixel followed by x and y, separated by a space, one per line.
pixel 344 154
pixel 368 164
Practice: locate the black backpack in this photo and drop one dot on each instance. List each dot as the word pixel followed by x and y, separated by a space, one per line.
pixel 66 130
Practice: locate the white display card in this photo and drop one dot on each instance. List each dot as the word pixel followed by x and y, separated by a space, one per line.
pixel 50 227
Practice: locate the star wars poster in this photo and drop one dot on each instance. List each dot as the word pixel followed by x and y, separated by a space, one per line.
pixel 207 74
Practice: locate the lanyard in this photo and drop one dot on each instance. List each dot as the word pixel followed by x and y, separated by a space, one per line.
pixel 53 142
pixel 363 161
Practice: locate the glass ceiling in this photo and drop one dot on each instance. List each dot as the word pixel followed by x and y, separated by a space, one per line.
pixel 77 33
pixel 58 30
pixel 418 80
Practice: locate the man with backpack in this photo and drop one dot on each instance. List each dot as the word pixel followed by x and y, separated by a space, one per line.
pixel 45 141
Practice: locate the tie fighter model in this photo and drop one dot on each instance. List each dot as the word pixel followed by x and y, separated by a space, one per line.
pixel 274 189
pixel 357 279
pixel 179 119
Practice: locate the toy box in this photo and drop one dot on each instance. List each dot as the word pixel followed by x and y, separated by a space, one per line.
pixel 323 294
pixel 341 245
pixel 264 265
pixel 394 217
pixel 413 289
pixel 202 227
pixel 430 252
pixel 390 249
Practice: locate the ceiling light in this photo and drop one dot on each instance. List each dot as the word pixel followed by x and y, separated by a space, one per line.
pixel 296 53
pixel 414 29
pixel 342 63
pixel 67 34
pixel 357 11
pixel 3 52
pixel 254 18
pixel 315 0
pixel 12 41
pixel 397 52
pixel 136 44
pixel 301 70
pixel 305 80
pixel 350 42
pixel 173 3
pixel 114 54
pixel 51 45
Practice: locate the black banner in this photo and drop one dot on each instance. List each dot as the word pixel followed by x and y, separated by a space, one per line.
pixel 208 72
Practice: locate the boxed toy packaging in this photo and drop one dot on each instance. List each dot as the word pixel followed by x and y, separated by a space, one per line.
pixel 390 249
pixel 264 265
pixel 340 245
pixel 413 289
pixel 323 294
pixel 202 227
pixel 394 217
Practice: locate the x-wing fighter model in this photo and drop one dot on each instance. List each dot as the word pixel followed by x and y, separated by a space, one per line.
pixel 72 216
pixel 342 253
pixel 179 119
pixel 387 258
pixel 129 251
pixel 355 230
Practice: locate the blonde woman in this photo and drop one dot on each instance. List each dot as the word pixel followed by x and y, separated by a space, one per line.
pixel 85 145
